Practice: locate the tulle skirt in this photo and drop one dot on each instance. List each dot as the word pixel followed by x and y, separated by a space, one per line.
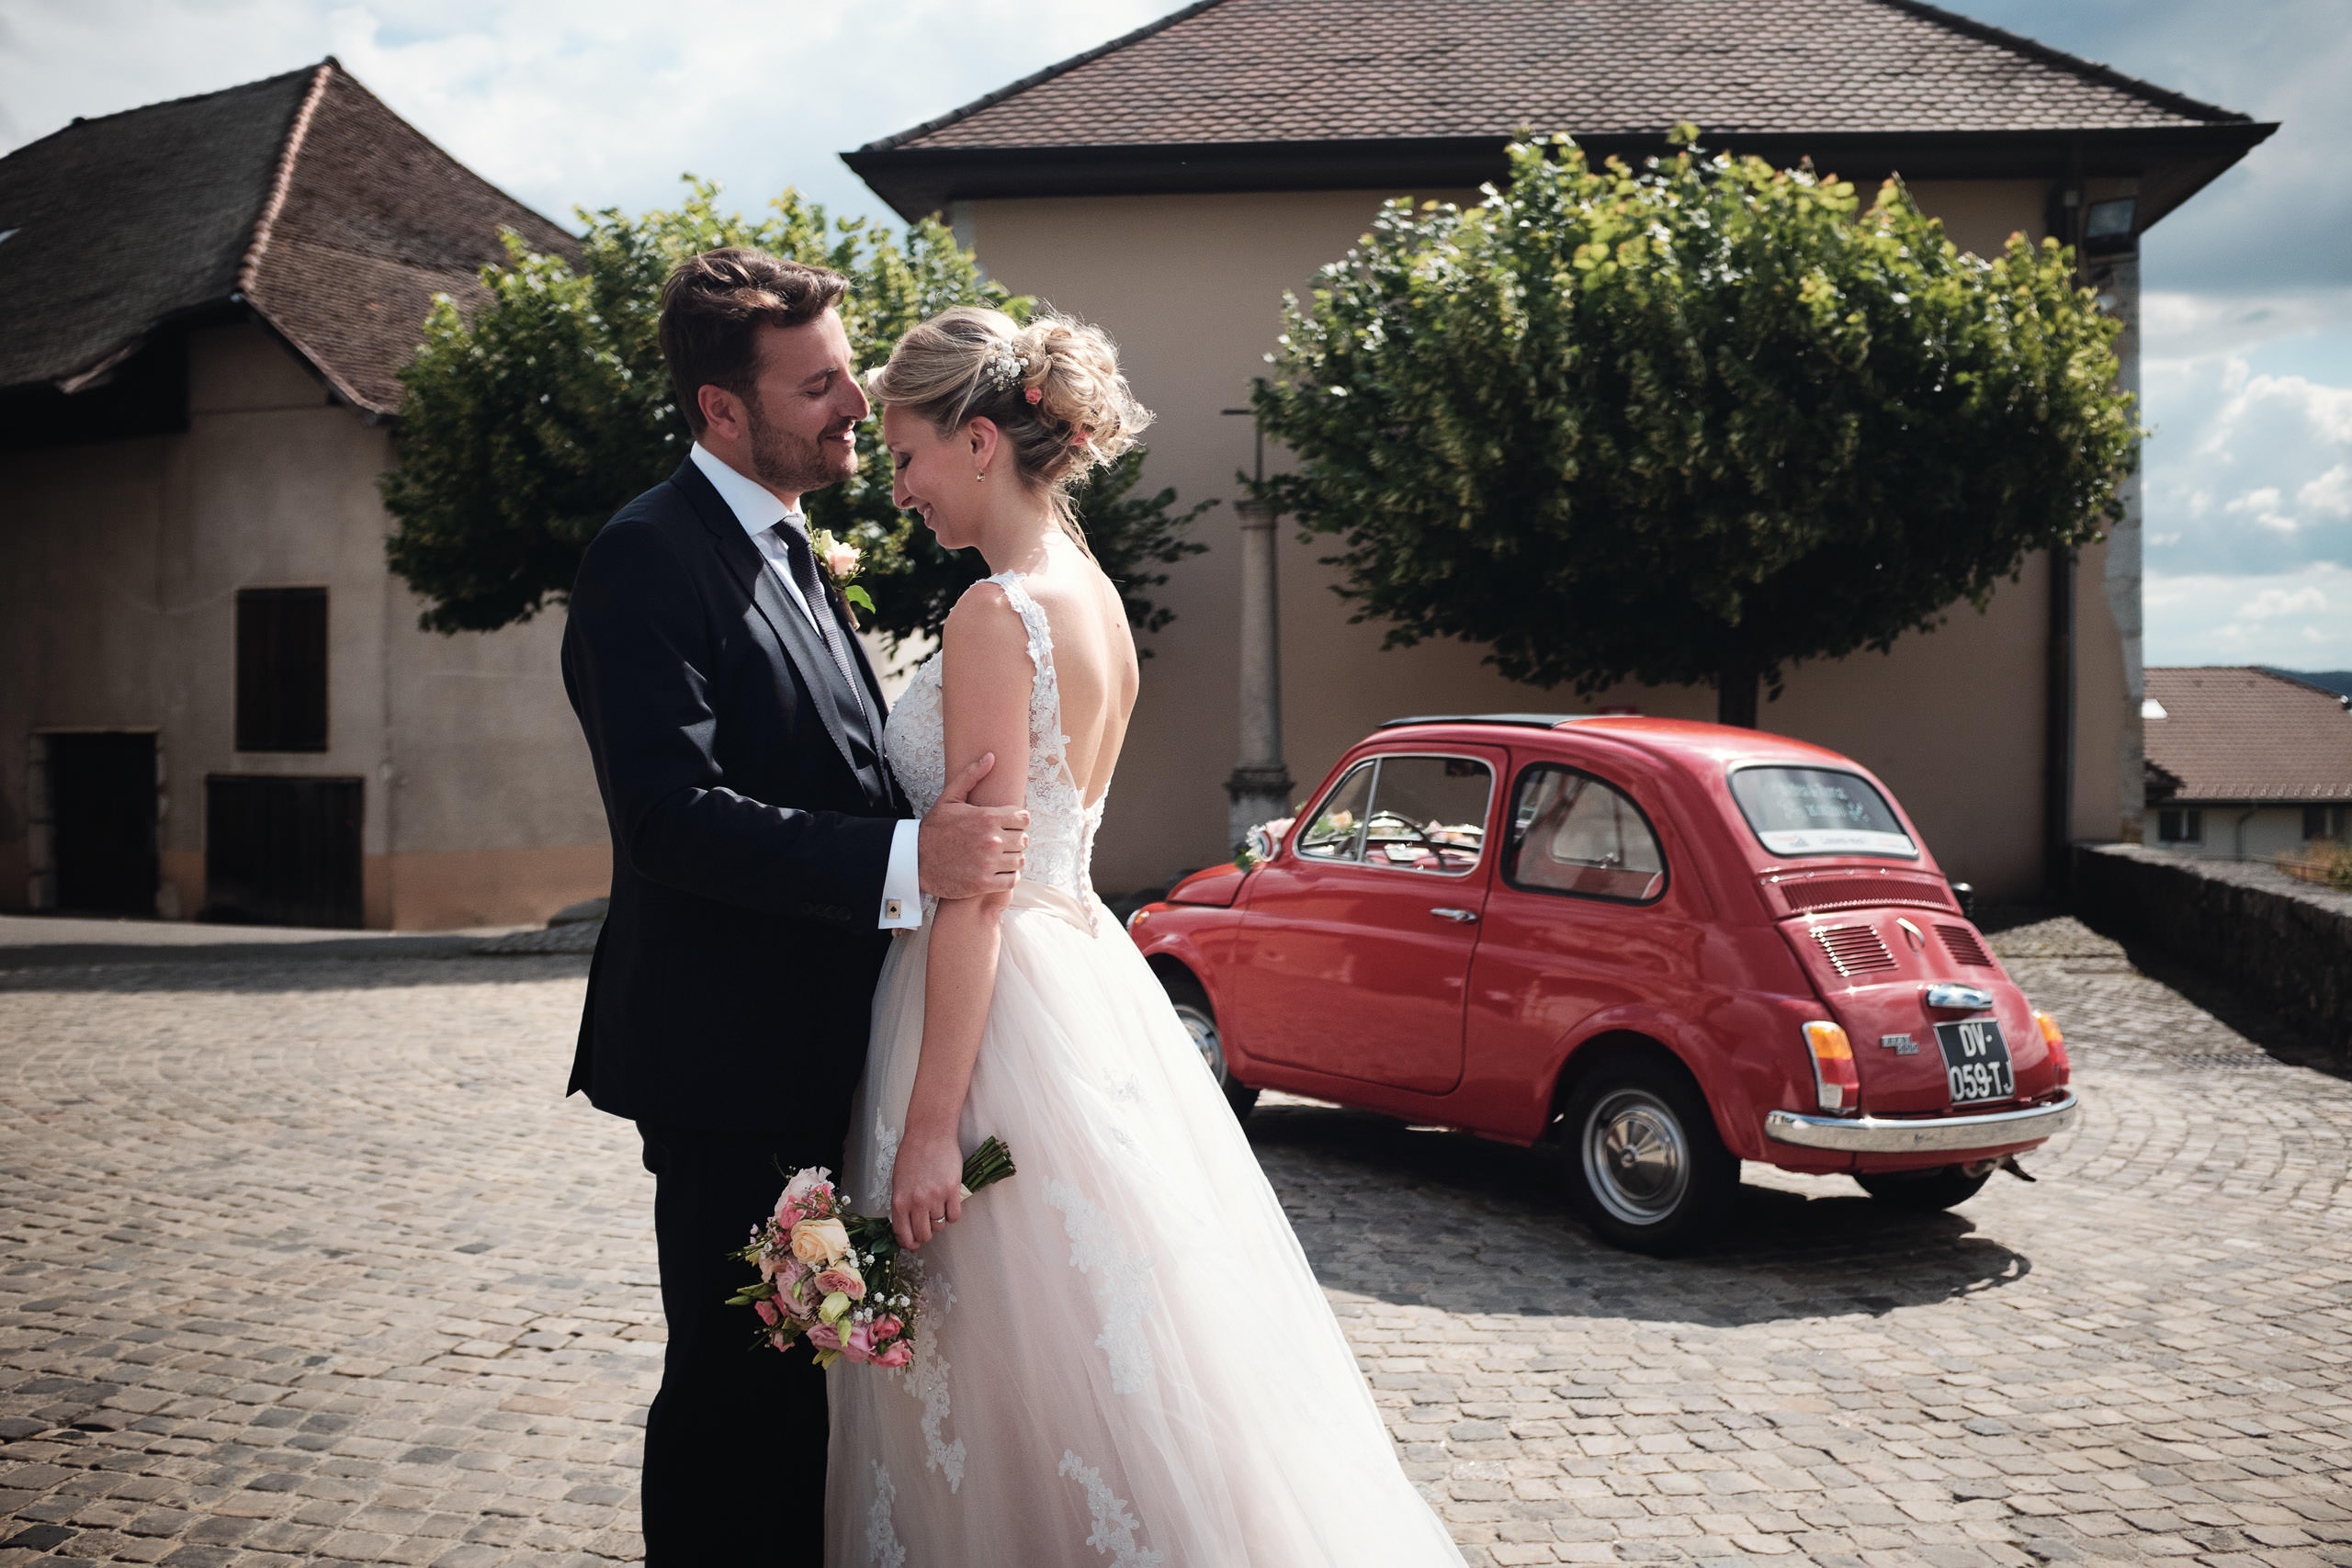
pixel 1124 1357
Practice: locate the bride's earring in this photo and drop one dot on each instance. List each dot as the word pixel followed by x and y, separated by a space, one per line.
pixel 981 477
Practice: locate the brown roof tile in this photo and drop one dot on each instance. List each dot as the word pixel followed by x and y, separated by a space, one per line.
pixel 335 219
pixel 2231 734
pixel 1260 71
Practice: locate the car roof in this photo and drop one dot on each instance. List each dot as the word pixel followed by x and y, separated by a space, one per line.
pixel 1686 740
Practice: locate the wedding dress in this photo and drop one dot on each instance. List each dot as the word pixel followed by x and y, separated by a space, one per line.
pixel 1124 1357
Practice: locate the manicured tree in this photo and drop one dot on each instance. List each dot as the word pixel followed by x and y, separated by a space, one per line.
pixel 532 418
pixel 1689 424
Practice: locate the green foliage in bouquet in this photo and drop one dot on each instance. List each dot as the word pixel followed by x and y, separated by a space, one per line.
pixel 536 414
pixel 1689 424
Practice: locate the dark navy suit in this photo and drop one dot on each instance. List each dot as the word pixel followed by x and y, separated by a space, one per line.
pixel 752 819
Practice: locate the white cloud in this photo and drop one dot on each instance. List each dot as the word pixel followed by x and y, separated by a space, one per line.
pixel 2263 506
pixel 2296 619
pixel 2331 493
pixel 565 102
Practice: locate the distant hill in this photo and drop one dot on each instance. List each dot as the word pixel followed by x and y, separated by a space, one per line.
pixel 2336 681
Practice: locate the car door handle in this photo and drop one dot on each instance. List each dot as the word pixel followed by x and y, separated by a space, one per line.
pixel 1459 917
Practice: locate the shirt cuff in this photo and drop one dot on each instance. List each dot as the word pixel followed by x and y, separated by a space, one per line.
pixel 902 882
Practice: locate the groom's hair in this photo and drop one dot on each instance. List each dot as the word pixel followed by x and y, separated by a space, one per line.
pixel 712 309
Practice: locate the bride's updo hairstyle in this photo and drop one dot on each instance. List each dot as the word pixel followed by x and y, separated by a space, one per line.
pixel 1052 387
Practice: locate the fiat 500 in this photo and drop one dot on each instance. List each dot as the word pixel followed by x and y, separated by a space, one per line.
pixel 1666 946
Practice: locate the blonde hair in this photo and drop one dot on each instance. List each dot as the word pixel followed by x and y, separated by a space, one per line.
pixel 1052 387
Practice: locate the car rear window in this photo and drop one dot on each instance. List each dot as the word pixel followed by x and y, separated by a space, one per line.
pixel 1819 811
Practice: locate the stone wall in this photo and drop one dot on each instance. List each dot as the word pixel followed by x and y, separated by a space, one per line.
pixel 2285 942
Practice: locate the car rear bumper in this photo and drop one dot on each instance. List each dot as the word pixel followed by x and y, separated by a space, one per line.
pixel 1871 1135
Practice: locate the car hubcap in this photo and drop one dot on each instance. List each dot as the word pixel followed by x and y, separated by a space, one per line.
pixel 1635 1157
pixel 1203 1028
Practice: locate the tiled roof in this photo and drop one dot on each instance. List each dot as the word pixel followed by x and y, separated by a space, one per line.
pixel 1269 71
pixel 2231 734
pixel 303 194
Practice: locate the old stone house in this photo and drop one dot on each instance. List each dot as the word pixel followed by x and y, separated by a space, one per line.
pixel 213 696
pixel 2246 763
pixel 1173 184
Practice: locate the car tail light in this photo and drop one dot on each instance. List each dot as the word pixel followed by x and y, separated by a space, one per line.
pixel 2055 1039
pixel 1835 1084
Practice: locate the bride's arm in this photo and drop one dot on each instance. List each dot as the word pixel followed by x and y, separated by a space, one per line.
pixel 985 678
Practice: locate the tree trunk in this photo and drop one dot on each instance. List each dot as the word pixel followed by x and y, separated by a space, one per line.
pixel 1735 689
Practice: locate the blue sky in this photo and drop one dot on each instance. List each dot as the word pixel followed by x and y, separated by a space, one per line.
pixel 2248 362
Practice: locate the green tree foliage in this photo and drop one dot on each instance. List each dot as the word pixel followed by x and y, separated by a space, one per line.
pixel 1691 423
pixel 534 417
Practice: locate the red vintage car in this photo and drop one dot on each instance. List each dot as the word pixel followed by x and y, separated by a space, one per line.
pixel 1666 946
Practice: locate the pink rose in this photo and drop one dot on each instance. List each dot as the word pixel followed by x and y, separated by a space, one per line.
pixel 897 1353
pixel 780 1340
pixel 841 559
pixel 804 1191
pixel 766 1310
pixel 859 1345
pixel 825 1337
pixel 842 1276
pixel 887 1326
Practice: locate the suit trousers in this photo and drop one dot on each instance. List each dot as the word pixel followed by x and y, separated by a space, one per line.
pixel 736 1428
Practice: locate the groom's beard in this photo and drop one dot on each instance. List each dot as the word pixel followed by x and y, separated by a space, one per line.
pixel 792 462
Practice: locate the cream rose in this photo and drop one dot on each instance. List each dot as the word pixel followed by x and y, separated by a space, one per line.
pixel 841 559
pixel 820 1242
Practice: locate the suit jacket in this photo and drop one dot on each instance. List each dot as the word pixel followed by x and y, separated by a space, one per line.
pixel 750 825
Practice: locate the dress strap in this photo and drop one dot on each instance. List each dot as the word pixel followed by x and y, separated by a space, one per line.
pixel 1032 618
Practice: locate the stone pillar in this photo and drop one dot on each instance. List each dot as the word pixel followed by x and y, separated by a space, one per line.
pixel 2118 280
pixel 1261 784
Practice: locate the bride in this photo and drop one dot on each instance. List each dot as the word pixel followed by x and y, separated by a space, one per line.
pixel 1124 1355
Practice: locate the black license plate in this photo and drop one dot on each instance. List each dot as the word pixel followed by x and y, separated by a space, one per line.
pixel 1976 1061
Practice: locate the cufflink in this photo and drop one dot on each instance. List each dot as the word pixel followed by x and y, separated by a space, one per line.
pixel 889 909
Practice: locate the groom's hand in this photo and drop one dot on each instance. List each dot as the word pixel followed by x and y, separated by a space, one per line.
pixel 965 850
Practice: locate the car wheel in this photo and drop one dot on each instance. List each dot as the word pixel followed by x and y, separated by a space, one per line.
pixel 1645 1167
pixel 1199 1018
pixel 1925 1191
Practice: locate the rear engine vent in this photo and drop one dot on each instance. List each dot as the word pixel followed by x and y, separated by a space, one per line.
pixel 1809 894
pixel 1854 950
pixel 1961 943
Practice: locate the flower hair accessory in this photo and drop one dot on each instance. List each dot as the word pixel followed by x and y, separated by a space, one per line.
pixel 1003 368
pixel 1036 395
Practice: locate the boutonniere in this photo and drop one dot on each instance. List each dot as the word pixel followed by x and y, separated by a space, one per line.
pixel 840 558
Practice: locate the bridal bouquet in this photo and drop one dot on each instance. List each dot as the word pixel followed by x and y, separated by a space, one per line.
pixel 838 1280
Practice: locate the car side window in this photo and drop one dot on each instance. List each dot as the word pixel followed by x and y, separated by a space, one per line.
pixel 1573 833
pixel 1428 814
pixel 1336 831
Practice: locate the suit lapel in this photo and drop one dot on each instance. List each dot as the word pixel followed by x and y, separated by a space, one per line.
pixel 789 626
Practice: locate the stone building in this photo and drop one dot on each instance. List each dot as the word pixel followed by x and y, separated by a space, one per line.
pixel 2245 764
pixel 213 696
pixel 1173 184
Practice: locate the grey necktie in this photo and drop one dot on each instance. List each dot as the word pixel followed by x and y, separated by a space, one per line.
pixel 817 594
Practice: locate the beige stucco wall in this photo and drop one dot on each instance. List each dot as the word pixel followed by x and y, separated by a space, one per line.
pixel 1191 287
pixel 2240 832
pixel 120 564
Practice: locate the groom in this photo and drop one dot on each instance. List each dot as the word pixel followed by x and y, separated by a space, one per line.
pixel 761 851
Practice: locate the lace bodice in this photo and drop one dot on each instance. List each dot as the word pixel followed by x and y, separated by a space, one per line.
pixel 1061 825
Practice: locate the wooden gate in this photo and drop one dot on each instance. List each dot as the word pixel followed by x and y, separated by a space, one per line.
pixel 102 815
pixel 282 852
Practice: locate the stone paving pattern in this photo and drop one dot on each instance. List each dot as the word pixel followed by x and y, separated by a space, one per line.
pixel 305 1262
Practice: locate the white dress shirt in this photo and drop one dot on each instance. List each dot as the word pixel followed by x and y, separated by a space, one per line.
pixel 758 511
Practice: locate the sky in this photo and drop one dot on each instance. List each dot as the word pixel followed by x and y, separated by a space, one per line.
pixel 2246 373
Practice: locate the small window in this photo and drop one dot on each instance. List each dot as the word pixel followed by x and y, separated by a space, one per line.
pixel 2184 825
pixel 1573 833
pixel 1336 831
pixel 281 669
pixel 1819 811
pixel 1428 814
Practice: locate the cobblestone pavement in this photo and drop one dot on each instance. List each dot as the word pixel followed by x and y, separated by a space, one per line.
pixel 305 1262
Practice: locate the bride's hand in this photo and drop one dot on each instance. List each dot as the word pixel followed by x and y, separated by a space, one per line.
pixel 926 1188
